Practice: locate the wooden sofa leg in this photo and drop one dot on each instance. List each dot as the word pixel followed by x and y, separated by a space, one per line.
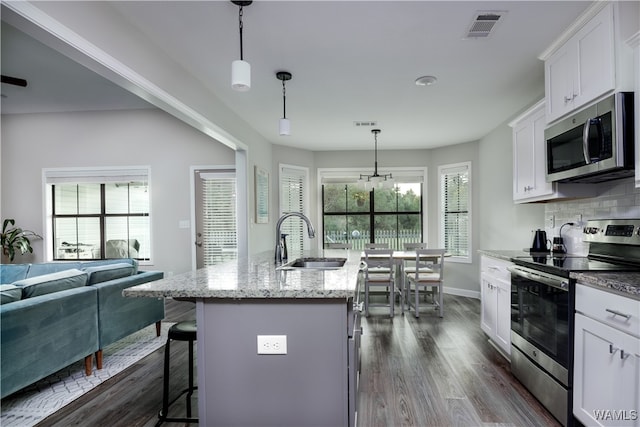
pixel 158 328
pixel 99 359
pixel 88 364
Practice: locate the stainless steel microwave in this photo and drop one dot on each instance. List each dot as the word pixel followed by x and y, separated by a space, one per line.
pixel 594 144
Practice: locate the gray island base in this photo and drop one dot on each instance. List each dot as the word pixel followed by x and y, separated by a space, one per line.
pixel 275 347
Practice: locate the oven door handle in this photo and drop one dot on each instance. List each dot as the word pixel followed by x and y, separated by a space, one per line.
pixel 536 276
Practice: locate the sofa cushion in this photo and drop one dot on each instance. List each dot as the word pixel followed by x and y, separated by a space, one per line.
pixel 9 273
pixel 52 282
pixel 10 293
pixel 42 268
pixel 103 273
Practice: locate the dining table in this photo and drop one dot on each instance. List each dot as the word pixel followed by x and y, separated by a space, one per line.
pixel 399 258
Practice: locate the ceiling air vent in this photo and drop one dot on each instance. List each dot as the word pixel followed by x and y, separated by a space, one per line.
pixel 484 23
pixel 365 124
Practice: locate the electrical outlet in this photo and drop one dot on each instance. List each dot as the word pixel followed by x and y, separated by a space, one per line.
pixel 551 221
pixel 272 344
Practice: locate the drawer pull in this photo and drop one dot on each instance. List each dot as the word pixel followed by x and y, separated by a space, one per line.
pixel 612 349
pixel 623 356
pixel 617 313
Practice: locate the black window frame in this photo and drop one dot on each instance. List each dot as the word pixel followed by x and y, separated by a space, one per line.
pixel 102 216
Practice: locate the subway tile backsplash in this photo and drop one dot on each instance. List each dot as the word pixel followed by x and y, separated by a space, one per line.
pixel 616 199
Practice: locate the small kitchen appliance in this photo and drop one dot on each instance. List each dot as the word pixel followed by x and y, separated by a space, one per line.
pixel 540 242
pixel 543 306
pixel 558 246
pixel 595 144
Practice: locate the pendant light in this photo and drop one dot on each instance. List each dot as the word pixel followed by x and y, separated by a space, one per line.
pixel 285 125
pixel 240 69
pixel 376 180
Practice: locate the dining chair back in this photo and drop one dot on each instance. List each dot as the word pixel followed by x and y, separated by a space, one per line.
pixel 413 246
pixel 376 246
pixel 428 276
pixel 379 274
pixel 339 246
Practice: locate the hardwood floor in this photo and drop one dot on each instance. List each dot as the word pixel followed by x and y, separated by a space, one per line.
pixel 415 372
pixel 435 371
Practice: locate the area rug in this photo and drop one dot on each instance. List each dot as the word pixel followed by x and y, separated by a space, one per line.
pixel 31 405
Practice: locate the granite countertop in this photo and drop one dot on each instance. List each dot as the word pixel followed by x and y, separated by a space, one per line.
pixel 256 277
pixel 504 255
pixel 625 284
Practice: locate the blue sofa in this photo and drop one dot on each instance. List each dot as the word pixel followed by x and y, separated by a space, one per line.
pixel 54 314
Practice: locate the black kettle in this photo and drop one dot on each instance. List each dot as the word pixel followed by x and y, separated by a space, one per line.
pixel 540 242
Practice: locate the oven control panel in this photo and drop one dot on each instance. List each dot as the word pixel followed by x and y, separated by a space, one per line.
pixel 625 231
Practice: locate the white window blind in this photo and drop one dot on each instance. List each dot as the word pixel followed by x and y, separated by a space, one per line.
pixel 99 175
pixel 293 192
pixel 455 210
pixel 219 228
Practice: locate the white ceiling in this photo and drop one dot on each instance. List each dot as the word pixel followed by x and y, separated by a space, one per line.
pixel 350 60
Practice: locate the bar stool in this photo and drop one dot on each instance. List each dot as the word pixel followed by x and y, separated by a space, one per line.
pixel 181 331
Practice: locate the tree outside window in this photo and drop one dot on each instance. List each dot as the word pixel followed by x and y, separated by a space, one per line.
pixel 383 215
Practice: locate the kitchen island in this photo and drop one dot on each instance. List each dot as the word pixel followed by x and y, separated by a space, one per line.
pixel 305 316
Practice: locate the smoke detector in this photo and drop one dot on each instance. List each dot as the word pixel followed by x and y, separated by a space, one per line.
pixel 484 24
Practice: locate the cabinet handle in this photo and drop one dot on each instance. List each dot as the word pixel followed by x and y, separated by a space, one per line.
pixel 623 356
pixel 612 349
pixel 618 313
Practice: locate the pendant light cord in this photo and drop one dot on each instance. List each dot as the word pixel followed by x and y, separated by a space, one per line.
pixel 375 151
pixel 284 100
pixel 240 13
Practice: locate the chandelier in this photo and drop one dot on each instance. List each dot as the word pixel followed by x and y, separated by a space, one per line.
pixel 376 180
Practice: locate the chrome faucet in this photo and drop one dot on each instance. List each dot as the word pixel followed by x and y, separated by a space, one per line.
pixel 279 243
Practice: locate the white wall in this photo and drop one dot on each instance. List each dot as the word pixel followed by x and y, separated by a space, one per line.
pixel 31 142
pixel 98 37
pixel 503 224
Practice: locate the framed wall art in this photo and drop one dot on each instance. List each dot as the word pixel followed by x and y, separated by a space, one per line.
pixel 262 195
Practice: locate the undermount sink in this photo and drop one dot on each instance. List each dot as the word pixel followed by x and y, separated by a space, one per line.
pixel 314 263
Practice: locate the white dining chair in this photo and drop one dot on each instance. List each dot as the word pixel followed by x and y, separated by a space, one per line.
pixel 426 280
pixel 339 246
pixel 379 274
pixel 376 246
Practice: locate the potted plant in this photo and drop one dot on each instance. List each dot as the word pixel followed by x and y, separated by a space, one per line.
pixel 360 197
pixel 15 239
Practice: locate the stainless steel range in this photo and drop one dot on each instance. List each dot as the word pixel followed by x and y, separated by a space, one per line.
pixel 543 308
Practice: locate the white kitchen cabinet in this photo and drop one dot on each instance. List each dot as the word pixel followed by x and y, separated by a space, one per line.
pixel 583 68
pixel 591 58
pixel 495 317
pixel 530 161
pixel 606 380
pixel 529 156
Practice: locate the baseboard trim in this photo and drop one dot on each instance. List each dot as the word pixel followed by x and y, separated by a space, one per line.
pixel 462 292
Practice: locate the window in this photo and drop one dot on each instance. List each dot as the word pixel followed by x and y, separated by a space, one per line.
pixel 219 240
pixel 455 210
pixel 390 215
pixel 293 194
pixel 98 214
